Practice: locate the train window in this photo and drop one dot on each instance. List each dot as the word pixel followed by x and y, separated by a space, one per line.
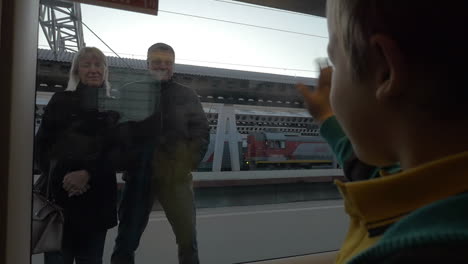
pixel 282 144
pixel 199 99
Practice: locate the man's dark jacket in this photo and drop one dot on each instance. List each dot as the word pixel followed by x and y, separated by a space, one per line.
pixel 177 129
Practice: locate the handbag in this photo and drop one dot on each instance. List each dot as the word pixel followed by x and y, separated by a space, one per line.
pixel 47 220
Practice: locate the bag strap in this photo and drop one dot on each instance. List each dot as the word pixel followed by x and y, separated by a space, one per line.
pixel 52 165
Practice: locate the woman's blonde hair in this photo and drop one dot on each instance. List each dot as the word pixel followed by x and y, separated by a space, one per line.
pixel 74 79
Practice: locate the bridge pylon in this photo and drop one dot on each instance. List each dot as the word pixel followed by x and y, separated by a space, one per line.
pixel 60 22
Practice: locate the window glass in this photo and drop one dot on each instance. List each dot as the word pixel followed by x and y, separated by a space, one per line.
pixel 213 110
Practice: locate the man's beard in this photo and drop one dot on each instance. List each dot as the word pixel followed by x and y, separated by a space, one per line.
pixel 159 75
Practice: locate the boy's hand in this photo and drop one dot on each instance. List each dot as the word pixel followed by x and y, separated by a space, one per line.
pixel 318 100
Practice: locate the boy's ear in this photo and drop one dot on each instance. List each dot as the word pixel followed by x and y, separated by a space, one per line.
pixel 389 66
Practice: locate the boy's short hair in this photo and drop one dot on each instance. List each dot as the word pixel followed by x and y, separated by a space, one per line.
pixel 161 46
pixel 430 34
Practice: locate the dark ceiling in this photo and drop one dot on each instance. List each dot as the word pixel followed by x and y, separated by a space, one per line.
pixel 311 7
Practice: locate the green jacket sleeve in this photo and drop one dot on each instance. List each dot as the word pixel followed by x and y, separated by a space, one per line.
pixel 353 168
pixel 331 131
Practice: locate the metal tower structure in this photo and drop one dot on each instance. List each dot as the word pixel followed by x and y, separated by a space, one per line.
pixel 61 23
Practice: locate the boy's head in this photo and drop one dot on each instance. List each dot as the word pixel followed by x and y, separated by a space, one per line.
pixel 395 60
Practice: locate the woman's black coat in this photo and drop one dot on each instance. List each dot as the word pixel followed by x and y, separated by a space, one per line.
pixel 75 135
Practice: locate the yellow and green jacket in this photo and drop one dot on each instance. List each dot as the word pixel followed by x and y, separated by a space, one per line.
pixel 416 216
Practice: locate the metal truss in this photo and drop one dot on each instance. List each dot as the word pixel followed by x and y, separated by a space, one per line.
pixel 61 23
pixel 246 124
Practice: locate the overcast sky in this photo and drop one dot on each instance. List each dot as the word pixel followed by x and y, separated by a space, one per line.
pixel 278 41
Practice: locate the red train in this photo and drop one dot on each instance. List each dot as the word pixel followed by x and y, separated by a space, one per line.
pixel 279 150
pixel 264 150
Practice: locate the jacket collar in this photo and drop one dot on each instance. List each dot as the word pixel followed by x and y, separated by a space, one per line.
pixel 382 201
pixel 88 96
pixel 164 84
pixel 82 87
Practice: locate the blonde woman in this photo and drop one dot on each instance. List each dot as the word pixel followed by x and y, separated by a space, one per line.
pixel 72 136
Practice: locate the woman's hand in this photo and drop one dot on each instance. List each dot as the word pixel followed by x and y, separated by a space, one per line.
pixel 318 100
pixel 76 182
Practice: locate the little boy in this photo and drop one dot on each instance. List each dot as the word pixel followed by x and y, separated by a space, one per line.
pixel 398 92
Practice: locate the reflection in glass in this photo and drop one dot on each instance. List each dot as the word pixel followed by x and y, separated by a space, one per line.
pixel 262 147
pixel 169 143
pixel 71 149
